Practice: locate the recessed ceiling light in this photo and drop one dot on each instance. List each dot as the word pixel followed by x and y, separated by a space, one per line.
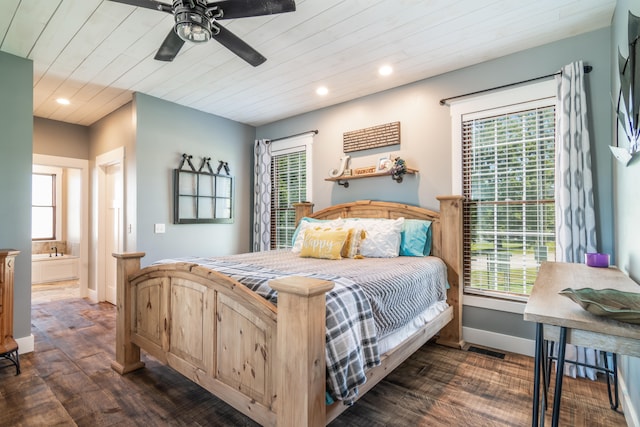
pixel 322 91
pixel 63 101
pixel 385 70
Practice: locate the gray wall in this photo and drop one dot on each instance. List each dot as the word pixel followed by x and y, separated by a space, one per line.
pixel 164 131
pixel 426 138
pixel 16 122
pixel 627 196
pixel 154 134
pixel 113 131
pixel 54 138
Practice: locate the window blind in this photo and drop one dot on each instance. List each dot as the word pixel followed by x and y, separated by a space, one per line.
pixel 289 186
pixel 508 180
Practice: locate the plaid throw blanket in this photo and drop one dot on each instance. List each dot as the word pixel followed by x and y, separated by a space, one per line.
pixel 351 339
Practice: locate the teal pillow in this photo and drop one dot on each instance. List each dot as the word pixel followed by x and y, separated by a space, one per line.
pixel 415 238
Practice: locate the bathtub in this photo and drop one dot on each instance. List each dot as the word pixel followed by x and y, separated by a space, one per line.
pixel 45 268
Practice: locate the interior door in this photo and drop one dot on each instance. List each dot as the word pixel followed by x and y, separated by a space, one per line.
pixel 113 227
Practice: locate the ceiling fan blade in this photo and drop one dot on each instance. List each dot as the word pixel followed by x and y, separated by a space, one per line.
pixel 237 46
pixel 147 4
pixel 169 47
pixel 232 9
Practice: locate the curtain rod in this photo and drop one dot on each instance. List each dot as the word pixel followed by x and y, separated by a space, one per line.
pixel 587 70
pixel 314 131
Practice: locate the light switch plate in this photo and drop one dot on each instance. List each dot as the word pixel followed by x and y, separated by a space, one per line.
pixel 158 228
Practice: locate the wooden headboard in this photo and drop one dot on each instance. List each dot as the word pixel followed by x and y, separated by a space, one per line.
pixel 446 240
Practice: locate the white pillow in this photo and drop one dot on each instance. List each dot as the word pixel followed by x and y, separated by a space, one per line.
pixel 382 238
pixel 307 223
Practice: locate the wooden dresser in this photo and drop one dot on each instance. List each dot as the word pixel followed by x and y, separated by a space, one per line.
pixel 8 345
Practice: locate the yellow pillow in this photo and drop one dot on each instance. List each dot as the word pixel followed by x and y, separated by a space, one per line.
pixel 325 244
pixel 352 243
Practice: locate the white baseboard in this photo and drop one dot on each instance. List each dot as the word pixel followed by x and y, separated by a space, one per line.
pixel 26 344
pixel 92 295
pixel 499 341
pixel 630 413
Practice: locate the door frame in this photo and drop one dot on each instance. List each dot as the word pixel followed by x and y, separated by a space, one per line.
pixel 83 165
pixel 110 158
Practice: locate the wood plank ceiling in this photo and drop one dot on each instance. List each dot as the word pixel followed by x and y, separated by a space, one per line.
pixel 97 53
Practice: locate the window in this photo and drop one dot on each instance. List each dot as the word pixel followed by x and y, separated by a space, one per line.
pixel 290 170
pixel 507 178
pixel 43 209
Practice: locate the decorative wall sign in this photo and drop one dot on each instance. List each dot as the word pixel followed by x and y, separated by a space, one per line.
pixel 365 170
pixel 373 137
pixel 344 161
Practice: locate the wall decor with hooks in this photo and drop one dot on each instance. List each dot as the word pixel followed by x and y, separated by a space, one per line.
pixel 202 196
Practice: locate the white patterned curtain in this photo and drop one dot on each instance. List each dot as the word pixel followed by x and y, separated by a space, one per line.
pixel 575 213
pixel 262 195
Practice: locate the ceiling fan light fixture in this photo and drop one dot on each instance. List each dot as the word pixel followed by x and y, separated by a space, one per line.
pixel 196 21
pixel 192 32
pixel 192 24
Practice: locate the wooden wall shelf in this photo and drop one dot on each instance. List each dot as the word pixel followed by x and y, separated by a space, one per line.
pixel 344 180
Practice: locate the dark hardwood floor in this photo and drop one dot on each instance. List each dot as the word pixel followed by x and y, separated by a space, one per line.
pixel 68 381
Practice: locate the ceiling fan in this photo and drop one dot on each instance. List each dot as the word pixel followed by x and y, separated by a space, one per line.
pixel 197 21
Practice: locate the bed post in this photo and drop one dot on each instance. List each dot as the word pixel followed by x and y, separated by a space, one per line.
pixel 127 353
pixel 302 209
pixel 451 229
pixel 300 361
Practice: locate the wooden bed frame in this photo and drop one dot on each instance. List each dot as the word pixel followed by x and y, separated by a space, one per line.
pixel 266 362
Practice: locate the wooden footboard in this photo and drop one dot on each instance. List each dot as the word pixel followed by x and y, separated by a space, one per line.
pixel 267 363
pixel 222 336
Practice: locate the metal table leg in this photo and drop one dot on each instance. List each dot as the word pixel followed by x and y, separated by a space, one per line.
pixel 557 393
pixel 536 375
pixel 550 359
pixel 546 371
pixel 614 402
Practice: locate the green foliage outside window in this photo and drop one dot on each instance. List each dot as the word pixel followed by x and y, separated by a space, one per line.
pixel 509 174
pixel 289 186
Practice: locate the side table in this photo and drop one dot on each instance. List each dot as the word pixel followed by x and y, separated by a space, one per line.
pixel 560 319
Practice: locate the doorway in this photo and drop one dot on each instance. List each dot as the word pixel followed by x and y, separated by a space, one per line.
pixel 110 221
pixel 73 229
